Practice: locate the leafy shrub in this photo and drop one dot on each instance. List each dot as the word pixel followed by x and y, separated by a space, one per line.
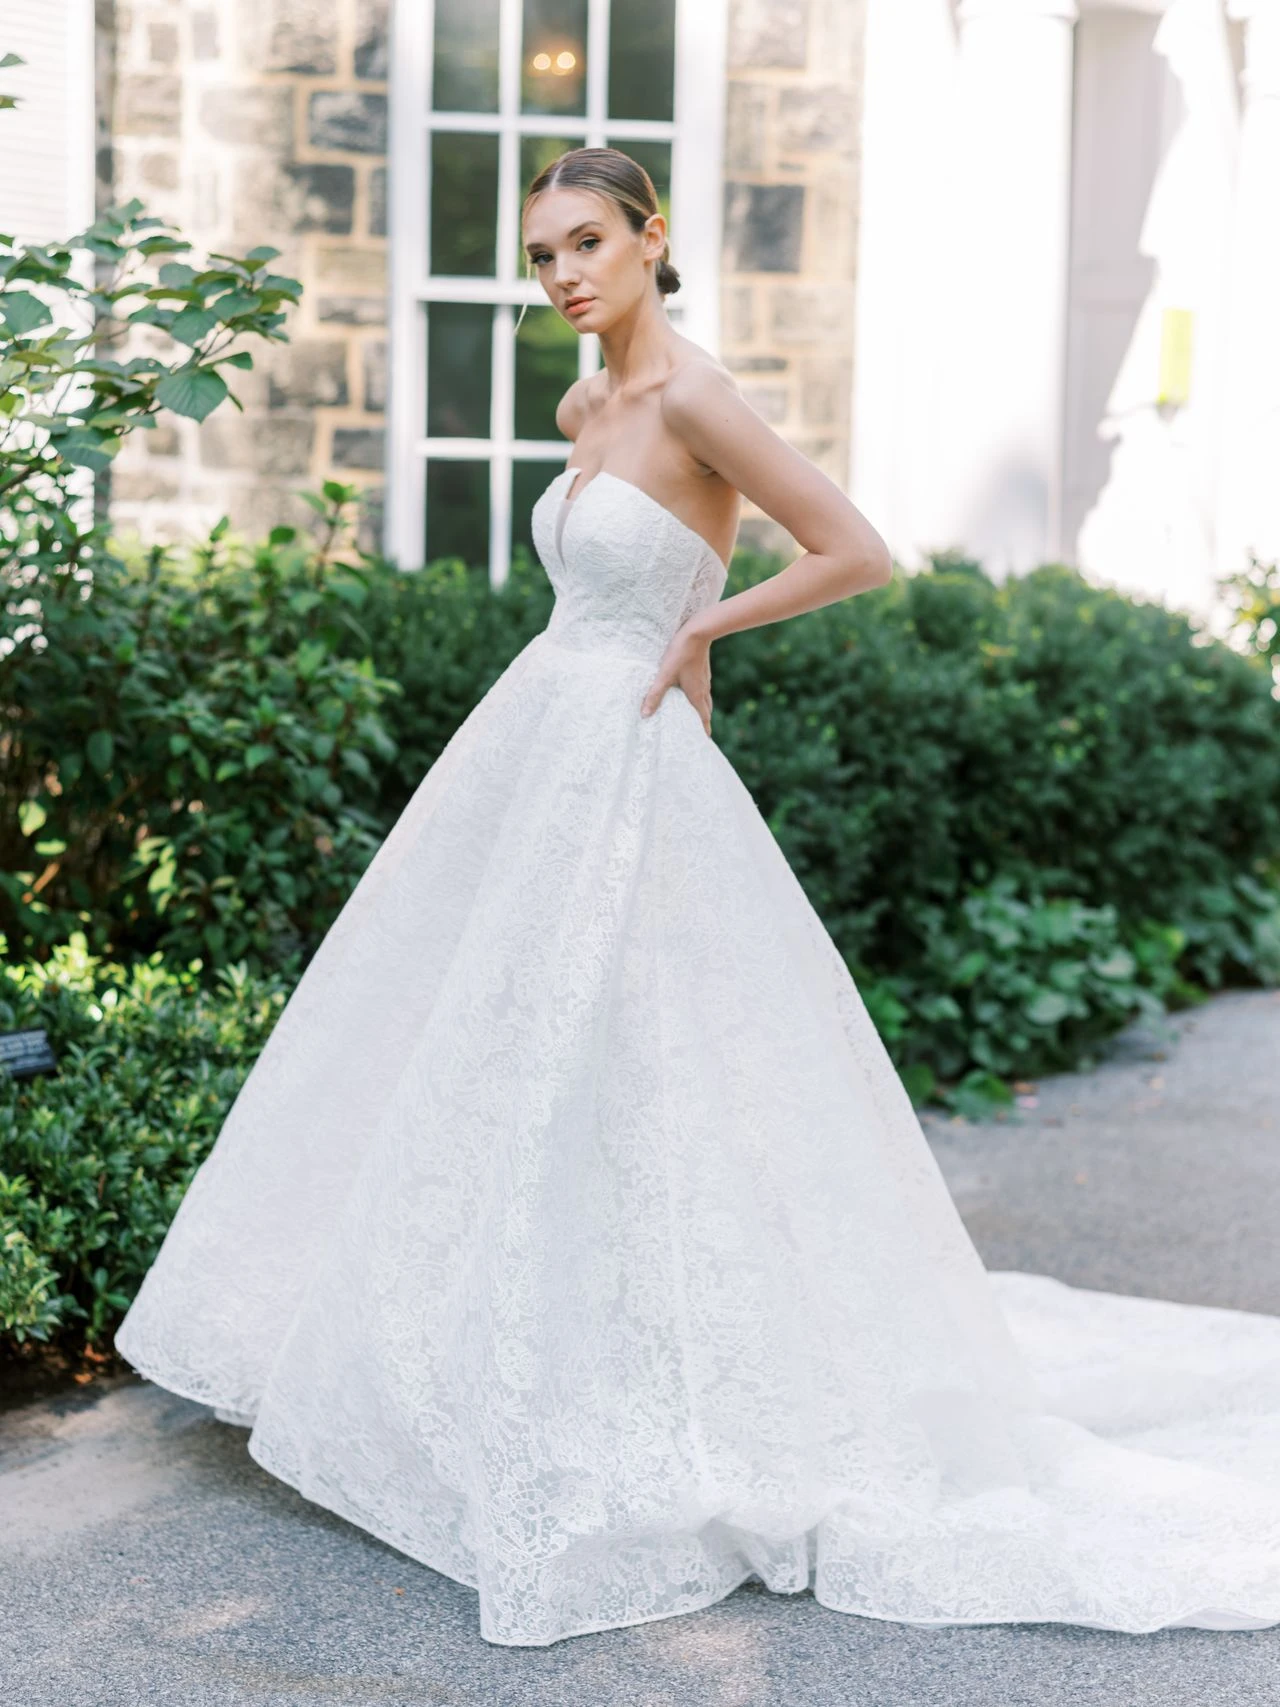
pixel 911 746
pixel 95 1159
pixel 1076 789
pixel 191 763
pixel 70 391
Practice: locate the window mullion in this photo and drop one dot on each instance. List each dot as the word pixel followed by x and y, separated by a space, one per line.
pixel 409 187
pixel 502 401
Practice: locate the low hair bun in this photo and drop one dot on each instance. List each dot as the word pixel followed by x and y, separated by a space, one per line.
pixel 668 279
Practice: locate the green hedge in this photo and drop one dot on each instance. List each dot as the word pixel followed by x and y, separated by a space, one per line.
pixel 94 1159
pixel 1023 811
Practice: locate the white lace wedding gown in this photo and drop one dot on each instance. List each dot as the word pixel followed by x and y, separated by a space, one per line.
pixel 574 1234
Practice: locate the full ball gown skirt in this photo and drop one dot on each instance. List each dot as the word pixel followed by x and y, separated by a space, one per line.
pixel 574 1234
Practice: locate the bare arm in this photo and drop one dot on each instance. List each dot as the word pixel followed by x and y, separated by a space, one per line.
pixel 843 553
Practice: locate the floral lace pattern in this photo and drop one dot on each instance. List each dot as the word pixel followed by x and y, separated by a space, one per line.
pixel 574 1234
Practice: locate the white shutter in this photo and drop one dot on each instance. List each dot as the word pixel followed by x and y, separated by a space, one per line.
pixel 46 143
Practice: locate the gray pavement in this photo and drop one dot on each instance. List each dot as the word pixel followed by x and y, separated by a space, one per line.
pixel 144 1557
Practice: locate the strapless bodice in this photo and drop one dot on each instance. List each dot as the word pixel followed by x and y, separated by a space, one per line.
pixel 627 572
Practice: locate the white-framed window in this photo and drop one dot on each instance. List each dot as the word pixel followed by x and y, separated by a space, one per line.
pixel 46 142
pixel 483 94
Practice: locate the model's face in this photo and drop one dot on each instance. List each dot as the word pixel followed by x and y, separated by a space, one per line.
pixel 586 256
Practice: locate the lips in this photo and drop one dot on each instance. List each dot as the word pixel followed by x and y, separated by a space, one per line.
pixel 577 302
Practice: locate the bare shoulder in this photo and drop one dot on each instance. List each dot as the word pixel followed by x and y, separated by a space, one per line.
pixel 577 403
pixel 695 383
pixel 695 398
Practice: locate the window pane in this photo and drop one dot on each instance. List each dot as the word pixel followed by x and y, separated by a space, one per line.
pixel 546 366
pixel 642 59
pixel 459 365
pixel 465 73
pixel 655 157
pixel 553 63
pixel 529 480
pixel 464 203
pixel 458 511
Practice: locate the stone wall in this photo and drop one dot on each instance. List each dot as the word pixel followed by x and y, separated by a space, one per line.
pixel 250 122
pixel 265 121
pixel 794 117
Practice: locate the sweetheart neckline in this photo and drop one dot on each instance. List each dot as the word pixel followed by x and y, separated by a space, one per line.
pixel 604 474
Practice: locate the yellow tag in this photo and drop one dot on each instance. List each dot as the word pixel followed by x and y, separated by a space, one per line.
pixel 1175 355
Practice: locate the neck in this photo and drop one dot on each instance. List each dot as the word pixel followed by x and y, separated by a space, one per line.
pixel 637 347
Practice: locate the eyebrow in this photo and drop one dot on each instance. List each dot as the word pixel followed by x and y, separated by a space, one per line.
pixel 574 230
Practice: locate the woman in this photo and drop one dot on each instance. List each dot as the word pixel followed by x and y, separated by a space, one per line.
pixel 573 1232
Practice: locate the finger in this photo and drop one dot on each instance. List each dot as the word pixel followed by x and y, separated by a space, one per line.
pixel 649 704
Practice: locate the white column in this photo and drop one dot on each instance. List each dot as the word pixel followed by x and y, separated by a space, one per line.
pixel 1249 477
pixel 1008 279
pixel 901 432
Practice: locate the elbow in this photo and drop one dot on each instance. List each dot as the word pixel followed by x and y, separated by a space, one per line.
pixel 873 569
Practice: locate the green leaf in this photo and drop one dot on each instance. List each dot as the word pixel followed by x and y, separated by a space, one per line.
pixel 13 59
pixel 260 256
pixel 1048 1008
pixel 192 324
pixel 240 358
pixel 22 312
pixel 31 817
pixel 192 391
pixel 99 747
pixel 1119 964
pixel 177 274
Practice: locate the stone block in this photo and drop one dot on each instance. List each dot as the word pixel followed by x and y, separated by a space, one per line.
pixel 290 35
pixel 833 211
pixel 371 39
pixel 375 376
pixel 810 314
pixel 358 447
pixel 262 116
pixel 162 441
pixel 353 271
pixel 159 171
pixel 378 202
pixel 204 34
pixel 309 374
pixel 270 445
pixel 763 227
pixel 273 196
pixel 162 43
pixel 352 310
pixel 747 127
pixel 148 104
pixel 837 38
pixel 255 510
pixel 824 393
pixel 738 314
pixel 369 522
pixel 142 486
pixel 352 120
pixel 769 33
pixel 818 119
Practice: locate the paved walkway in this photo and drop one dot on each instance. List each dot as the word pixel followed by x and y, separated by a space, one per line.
pixel 145 1558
